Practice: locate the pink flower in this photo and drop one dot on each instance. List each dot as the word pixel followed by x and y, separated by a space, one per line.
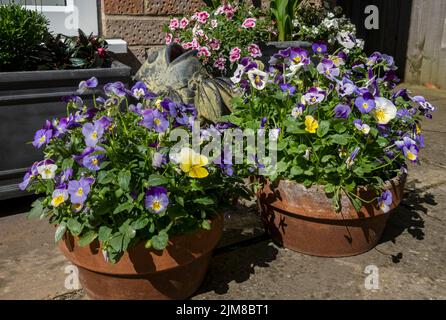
pixel 214 44
pixel 204 51
pixel 101 52
pixel 214 24
pixel 174 24
pixel 169 38
pixel 195 44
pixel 227 10
pixel 187 45
pixel 254 51
pixel 249 23
pixel 202 16
pixel 220 63
pixel 234 55
pixel 177 40
pixel 184 23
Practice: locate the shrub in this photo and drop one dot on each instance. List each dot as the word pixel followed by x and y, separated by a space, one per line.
pixel 21 35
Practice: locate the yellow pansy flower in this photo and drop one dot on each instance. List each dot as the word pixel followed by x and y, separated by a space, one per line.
pixel 193 163
pixel 311 124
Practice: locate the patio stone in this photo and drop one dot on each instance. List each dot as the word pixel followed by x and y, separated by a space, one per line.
pixel 410 258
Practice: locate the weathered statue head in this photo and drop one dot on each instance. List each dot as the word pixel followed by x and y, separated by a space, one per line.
pixel 181 76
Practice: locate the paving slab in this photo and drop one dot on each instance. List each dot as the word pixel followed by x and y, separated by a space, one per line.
pixel 410 259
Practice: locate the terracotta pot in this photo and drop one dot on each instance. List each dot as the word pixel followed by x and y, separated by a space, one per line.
pixel 304 220
pixel 143 274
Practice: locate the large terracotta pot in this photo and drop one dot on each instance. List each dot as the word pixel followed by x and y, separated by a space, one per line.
pixel 304 220
pixel 142 274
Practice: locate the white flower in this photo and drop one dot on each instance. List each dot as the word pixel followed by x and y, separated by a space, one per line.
pixel 346 39
pixel 59 197
pixel 238 74
pixel 258 78
pixel 385 110
pixel 48 171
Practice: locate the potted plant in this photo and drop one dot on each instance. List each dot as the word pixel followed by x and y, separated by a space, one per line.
pixel 343 140
pixel 138 213
pixel 36 72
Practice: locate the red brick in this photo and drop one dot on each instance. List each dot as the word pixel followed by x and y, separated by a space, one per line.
pixel 124 6
pixel 172 7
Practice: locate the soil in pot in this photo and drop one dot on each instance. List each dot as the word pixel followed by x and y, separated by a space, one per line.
pixel 143 274
pixel 304 220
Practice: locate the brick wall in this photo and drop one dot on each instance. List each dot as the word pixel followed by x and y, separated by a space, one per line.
pixel 140 22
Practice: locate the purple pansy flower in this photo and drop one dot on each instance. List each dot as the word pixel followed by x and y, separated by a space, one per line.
pixel 92 160
pixel 138 108
pixel 319 47
pixel 328 69
pixel 365 103
pixel 92 133
pixel 425 107
pixel 76 100
pixel 314 95
pixel 351 159
pixel 409 148
pixel 342 111
pixel 115 89
pixel 140 90
pixel 288 89
pixel 345 87
pixel 79 190
pixel 385 201
pixel 154 119
pixel 156 199
pixel 363 127
pixel 159 160
pixel 42 137
pixel 87 84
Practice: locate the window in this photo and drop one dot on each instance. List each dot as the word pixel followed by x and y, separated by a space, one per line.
pixel 65 16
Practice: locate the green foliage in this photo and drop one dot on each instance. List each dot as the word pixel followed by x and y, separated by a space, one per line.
pixel 283 13
pixel 21 35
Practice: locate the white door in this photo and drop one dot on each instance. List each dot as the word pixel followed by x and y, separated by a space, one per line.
pixel 65 16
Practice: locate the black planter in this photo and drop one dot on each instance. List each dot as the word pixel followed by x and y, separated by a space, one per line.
pixel 29 98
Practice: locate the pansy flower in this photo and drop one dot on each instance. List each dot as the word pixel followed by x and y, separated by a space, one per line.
pixel 384 111
pixel 87 84
pixel 193 163
pixel 42 137
pixel 409 148
pixel 298 111
pixel 365 103
pixel 93 160
pixel 79 190
pixel 345 87
pixel 258 78
pixel 47 169
pixel 288 89
pixel 311 124
pixel 139 90
pixel 59 197
pixel 328 69
pixel 313 96
pixel 385 201
pixel 319 47
pixel 363 127
pixel 351 158
pixel 115 89
pixel 156 199
pixel 154 119
pixel 342 111
pixel 92 132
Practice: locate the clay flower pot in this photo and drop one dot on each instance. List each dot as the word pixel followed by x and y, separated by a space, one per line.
pixel 304 220
pixel 143 274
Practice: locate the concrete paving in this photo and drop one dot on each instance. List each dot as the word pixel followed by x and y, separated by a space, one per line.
pixel 410 259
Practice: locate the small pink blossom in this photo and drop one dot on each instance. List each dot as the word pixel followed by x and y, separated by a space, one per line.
pixel 234 55
pixel 174 24
pixel 169 38
pixel 177 40
pixel 204 51
pixel 220 63
pixel 195 44
pixel 184 23
pixel 187 45
pixel 214 24
pixel 214 44
pixel 227 10
pixel 202 16
pixel 254 51
pixel 249 23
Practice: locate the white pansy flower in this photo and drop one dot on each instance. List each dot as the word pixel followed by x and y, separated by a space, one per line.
pixel 48 171
pixel 385 110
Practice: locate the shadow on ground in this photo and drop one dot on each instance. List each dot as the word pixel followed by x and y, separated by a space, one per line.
pixel 408 217
pixel 16 206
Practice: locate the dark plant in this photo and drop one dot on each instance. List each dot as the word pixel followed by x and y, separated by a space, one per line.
pixel 21 35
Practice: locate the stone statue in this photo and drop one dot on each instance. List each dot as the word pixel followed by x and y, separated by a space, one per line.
pixel 181 76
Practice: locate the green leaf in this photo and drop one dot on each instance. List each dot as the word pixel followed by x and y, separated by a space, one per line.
pixel 322 130
pixel 119 193
pixel 157 180
pixel 126 206
pixel 326 158
pixel 141 223
pixel 341 139
pixel 60 231
pixel 105 177
pixel 329 188
pixel 204 201
pixel 104 233
pixel 282 166
pixel 160 241
pixel 67 163
pixel 356 203
pixel 87 238
pixel 75 227
pixel 206 225
pixel 340 127
pixel 37 210
pixel 296 171
pixel 382 142
pixel 124 179
pixel 116 242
